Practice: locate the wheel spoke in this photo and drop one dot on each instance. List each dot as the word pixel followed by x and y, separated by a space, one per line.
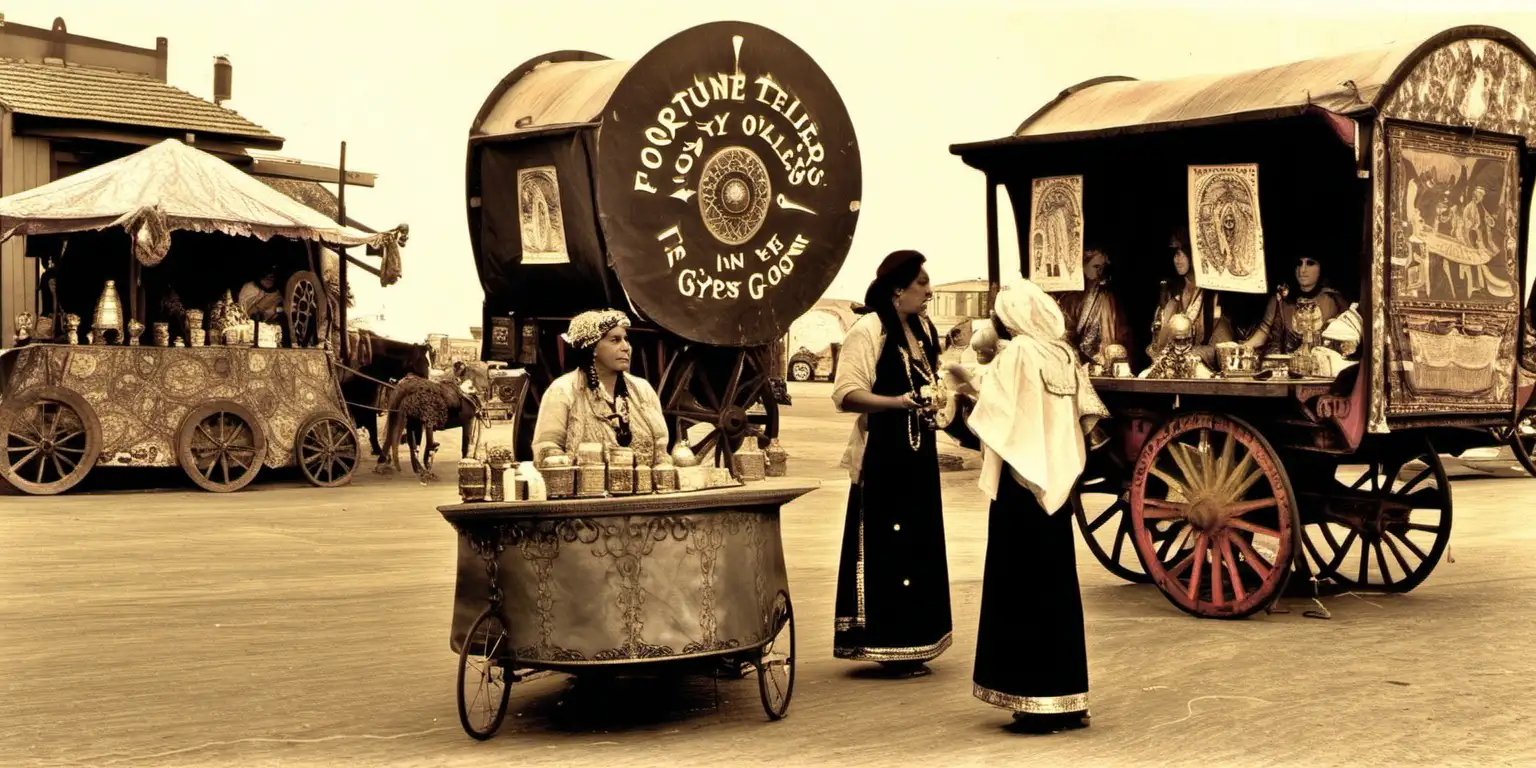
pixel 1241 477
pixel 731 387
pixel 1104 517
pixel 1381 562
pixel 1252 558
pixel 1408 543
pixel 1365 561
pixel 1218 594
pixel 1121 534
pixel 1244 525
pixel 1192 478
pixel 1398 554
pixel 1408 487
pixel 1244 507
pixel 1342 552
pixel 1174 486
pixel 1161 509
pixel 1201 545
pixel 28 442
pixel 1238 593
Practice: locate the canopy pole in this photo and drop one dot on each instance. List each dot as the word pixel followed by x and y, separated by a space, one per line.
pixel 341 250
pixel 993 270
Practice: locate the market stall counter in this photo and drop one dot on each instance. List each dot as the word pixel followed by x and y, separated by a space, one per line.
pixel 683 580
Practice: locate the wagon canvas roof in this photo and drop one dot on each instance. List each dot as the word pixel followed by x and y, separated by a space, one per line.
pixel 1347 84
pixel 171 186
pixel 548 94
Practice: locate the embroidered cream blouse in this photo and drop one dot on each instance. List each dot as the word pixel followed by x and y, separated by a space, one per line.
pixel 571 413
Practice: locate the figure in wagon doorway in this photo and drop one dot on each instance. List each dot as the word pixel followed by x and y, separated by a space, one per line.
pixel 1093 316
pixel 1200 307
pixel 892 603
pixel 599 401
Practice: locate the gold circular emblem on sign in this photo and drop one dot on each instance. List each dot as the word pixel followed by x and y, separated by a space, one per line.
pixel 734 192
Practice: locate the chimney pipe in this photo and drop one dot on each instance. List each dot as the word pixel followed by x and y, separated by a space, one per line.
pixel 223 76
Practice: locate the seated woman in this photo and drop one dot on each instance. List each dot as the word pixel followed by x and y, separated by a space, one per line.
pixel 1202 307
pixel 1278 332
pixel 1093 316
pixel 599 401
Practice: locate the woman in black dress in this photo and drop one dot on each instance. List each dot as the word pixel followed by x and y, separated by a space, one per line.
pixel 1034 404
pixel 893 579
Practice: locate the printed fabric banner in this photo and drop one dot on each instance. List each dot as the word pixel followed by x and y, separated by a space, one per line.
pixel 1226 229
pixel 1056 233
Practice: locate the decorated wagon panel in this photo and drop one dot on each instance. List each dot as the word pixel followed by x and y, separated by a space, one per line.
pixel 141 395
pixel 1455 283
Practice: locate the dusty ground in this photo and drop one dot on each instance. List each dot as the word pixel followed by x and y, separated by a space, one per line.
pixel 298 626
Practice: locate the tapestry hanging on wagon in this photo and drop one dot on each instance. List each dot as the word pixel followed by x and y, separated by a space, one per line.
pixel 1453 302
pixel 1226 228
pixel 538 206
pixel 1056 233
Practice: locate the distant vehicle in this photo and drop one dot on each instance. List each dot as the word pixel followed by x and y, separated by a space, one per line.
pixel 805 365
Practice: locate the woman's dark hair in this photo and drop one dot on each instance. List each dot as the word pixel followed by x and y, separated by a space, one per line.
pixel 899 270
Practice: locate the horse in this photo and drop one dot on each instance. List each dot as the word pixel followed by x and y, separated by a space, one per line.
pixel 378 359
pixel 419 407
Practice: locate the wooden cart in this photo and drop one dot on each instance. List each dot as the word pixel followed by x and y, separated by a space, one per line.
pixel 1218 490
pixel 710 188
pixel 652 584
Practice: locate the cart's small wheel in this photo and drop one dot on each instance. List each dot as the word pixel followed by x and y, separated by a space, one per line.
pixel 49 440
pixel 485 675
pixel 776 663
pixel 1521 439
pixel 1378 531
pixel 326 450
pixel 1221 479
pixel 221 446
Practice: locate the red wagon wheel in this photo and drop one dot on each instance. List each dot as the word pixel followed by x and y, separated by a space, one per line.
pixel 221 446
pixel 726 388
pixel 326 450
pixel 1221 479
pixel 1382 526
pixel 49 440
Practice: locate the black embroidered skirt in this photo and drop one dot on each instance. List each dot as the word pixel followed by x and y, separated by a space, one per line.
pixel 1031 654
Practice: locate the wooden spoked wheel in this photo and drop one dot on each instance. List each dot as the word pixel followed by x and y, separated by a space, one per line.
pixel 326 450
pixel 49 440
pixel 1221 479
pixel 726 388
pixel 1109 534
pixel 304 307
pixel 485 679
pixel 221 446
pixel 1521 439
pixel 776 663
pixel 1382 526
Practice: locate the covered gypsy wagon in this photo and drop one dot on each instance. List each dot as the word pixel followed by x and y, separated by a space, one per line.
pixel 1404 176
pixel 709 188
pixel 123 370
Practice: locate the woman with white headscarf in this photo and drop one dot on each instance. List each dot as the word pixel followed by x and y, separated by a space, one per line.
pixel 1034 405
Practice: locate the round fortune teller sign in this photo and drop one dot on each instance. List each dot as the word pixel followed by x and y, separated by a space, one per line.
pixel 728 183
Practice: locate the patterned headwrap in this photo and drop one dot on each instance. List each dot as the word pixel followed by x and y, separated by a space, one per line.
pixel 588 328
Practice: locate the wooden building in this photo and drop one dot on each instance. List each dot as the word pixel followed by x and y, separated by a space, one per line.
pixel 69 102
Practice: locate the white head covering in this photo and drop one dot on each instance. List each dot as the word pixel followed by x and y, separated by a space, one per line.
pixel 1035 403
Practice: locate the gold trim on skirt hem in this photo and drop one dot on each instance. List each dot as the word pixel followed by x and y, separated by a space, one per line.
pixel 843 623
pixel 1032 705
pixel 911 653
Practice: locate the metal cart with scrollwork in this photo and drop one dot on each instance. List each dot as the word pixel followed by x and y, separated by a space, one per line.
pixel 1406 172
pixel 710 188
pixel 664 583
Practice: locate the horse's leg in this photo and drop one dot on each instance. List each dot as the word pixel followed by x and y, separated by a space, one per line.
pixel 414 439
pixel 426 454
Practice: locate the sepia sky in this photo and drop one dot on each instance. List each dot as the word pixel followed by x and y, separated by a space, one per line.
pixel 400 83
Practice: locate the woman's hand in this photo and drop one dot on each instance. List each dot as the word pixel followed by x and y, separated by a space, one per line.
pixel 907 402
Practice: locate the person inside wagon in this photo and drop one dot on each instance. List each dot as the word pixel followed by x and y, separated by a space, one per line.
pixel 1201 307
pixel 1305 300
pixel 1093 316
pixel 599 401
